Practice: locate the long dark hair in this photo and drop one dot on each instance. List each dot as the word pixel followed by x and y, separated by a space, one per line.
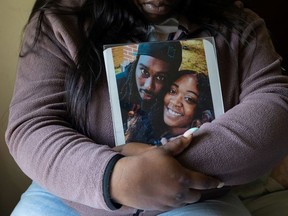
pixel 107 22
pixel 127 93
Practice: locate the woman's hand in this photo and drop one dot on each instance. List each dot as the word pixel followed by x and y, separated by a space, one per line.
pixel 164 140
pixel 133 148
pixel 149 177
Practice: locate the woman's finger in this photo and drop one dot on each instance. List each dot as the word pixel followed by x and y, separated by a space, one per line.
pixel 178 145
pixel 200 181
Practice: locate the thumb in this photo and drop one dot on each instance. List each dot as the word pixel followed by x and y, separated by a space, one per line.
pixel 178 145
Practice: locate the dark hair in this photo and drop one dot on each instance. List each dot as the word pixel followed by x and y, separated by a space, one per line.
pixel 117 23
pixel 110 21
pixel 127 92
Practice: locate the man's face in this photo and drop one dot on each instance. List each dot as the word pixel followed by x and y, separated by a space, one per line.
pixel 151 74
pixel 156 10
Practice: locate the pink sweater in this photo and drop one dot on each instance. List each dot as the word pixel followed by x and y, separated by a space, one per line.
pixel 238 147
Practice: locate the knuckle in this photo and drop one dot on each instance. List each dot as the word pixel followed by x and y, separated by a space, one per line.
pixel 184 180
pixel 177 141
pixel 179 197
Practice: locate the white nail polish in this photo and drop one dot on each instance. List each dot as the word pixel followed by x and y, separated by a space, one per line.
pixel 190 131
pixel 220 185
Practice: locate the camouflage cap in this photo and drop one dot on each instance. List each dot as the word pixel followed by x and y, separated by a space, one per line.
pixel 169 51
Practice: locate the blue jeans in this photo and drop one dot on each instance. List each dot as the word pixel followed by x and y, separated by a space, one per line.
pixel 38 202
pixel 228 205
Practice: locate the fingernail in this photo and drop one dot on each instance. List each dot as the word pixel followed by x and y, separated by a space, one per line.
pixel 220 185
pixel 190 131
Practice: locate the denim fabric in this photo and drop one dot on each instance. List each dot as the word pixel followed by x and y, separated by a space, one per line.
pixel 228 205
pixel 38 202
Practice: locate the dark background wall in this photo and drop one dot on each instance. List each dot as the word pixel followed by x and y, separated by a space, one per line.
pixel 274 13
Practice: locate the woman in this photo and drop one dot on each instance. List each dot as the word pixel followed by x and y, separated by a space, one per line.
pixel 187 102
pixel 60 129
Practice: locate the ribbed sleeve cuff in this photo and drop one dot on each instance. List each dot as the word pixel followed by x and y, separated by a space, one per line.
pixel 106 183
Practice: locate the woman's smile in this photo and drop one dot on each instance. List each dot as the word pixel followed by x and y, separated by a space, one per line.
pixel 173 113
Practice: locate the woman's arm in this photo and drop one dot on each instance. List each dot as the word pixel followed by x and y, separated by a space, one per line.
pixel 251 137
pixel 39 135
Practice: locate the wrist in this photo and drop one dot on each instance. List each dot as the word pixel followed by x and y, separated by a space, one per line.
pixel 107 182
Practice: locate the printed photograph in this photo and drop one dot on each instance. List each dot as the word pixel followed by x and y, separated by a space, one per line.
pixel 163 89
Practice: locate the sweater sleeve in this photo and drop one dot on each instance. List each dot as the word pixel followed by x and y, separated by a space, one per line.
pixel 251 137
pixel 39 135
